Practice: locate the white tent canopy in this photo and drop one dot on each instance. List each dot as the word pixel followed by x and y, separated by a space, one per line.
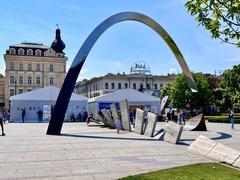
pixel 43 99
pixel 49 93
pixel 129 94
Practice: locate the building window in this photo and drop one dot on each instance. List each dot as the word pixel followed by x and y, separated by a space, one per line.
pixel 29 67
pixel 141 86
pixel 134 86
pixel 106 85
pixel 64 68
pixel 119 85
pixel 148 86
pixel 126 85
pixel 161 85
pixel 29 52
pixel 38 80
pixel 155 86
pixel 12 51
pixel 38 52
pixel 12 67
pixel 38 67
pixel 51 68
pixel 11 92
pixel 21 51
pixel 51 82
pixel 20 91
pixel 29 80
pixel 20 67
pixel 20 80
pixel 113 86
pixel 11 79
pixel 29 90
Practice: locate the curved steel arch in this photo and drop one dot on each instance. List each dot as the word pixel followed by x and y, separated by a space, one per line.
pixel 58 115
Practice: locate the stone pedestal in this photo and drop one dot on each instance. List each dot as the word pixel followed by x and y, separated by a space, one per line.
pixel 125 116
pixel 139 121
pixel 107 116
pixel 173 132
pixel 202 145
pixel 223 153
pixel 150 124
pixel 114 112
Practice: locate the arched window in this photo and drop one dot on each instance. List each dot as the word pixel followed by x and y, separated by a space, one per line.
pixel 29 52
pixel 21 51
pixel 38 52
pixel 12 51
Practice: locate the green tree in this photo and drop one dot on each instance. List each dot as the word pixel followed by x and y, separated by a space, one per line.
pixel 230 86
pixel 220 17
pixel 180 94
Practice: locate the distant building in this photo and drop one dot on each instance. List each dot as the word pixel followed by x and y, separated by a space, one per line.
pixel 31 65
pixel 2 91
pixel 140 78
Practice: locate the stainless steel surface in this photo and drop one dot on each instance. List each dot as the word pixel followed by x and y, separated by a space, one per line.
pixel 57 118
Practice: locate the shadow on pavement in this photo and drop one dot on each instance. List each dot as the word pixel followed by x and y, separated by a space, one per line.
pixel 107 137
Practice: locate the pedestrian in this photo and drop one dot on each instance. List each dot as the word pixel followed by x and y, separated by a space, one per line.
pixel 169 116
pixel 183 117
pixel 1 123
pixel 173 116
pixel 179 117
pixel 39 113
pixel 23 114
pixel 118 124
pixel 231 118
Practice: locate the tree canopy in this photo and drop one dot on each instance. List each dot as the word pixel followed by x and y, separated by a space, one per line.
pixel 230 87
pixel 220 17
pixel 180 94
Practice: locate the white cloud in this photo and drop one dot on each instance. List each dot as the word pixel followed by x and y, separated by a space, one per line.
pixel 173 71
pixel 83 71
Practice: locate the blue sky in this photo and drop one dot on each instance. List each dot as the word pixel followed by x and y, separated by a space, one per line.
pixel 124 43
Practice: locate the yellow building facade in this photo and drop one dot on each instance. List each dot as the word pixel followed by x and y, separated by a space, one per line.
pixel 31 65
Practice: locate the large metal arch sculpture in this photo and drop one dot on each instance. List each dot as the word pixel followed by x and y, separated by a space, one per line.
pixel 57 118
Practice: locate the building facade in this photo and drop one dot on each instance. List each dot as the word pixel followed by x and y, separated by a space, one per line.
pixel 140 78
pixel 2 91
pixel 31 65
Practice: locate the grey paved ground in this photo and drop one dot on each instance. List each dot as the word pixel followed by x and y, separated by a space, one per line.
pixel 95 152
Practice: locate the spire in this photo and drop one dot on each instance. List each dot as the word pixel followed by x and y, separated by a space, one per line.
pixel 58 45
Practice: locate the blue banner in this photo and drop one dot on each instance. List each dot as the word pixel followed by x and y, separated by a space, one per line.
pixel 107 106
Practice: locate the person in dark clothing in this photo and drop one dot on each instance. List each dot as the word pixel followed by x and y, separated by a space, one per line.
pixel 39 113
pixel 1 123
pixel 169 116
pixel 23 114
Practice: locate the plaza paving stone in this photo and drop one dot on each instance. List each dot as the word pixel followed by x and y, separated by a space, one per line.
pixel 93 152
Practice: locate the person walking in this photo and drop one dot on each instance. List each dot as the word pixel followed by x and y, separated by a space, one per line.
pixel 1 123
pixel 118 123
pixel 231 118
pixel 23 114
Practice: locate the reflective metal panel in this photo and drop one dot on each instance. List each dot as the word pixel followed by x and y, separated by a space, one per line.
pixel 57 118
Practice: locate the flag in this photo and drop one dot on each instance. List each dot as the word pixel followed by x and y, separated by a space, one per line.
pixel 163 102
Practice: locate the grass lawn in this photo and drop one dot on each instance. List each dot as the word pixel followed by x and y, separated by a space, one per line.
pixel 197 171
